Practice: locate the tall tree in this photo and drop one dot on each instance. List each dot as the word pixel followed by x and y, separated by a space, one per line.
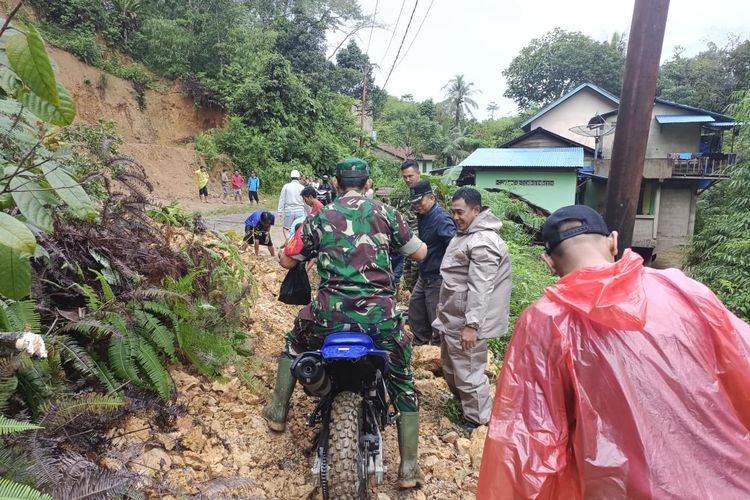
pixel 492 109
pixel 558 62
pixel 708 79
pixel 347 78
pixel 458 98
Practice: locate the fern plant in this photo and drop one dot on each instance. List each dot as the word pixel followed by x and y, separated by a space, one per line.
pixel 11 456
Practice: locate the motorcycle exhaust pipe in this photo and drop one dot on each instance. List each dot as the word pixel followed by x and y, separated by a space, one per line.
pixel 309 370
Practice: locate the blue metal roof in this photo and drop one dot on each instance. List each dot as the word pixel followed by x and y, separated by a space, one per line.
pixel 582 86
pixel 683 119
pixel 525 158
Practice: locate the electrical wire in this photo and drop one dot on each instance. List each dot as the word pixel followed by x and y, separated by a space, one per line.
pixel 416 2
pixel 393 32
pixel 417 34
pixel 372 28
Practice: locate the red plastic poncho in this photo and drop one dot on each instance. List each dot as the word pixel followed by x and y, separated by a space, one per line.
pixel 622 382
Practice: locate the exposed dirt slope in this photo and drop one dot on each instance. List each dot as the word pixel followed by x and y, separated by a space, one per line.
pixel 223 435
pixel 169 117
pixel 159 136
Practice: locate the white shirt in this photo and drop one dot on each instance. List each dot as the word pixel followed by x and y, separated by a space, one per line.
pixel 291 197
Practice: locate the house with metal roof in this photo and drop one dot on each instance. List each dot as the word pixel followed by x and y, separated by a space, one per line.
pixel 572 110
pixel 399 154
pixel 545 177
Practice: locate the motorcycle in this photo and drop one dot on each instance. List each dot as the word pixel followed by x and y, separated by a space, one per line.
pixel 347 375
pixel 324 196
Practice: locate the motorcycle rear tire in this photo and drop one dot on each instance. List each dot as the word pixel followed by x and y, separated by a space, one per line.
pixel 347 473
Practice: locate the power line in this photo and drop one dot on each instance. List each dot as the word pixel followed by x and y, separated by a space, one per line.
pixel 393 32
pixel 372 28
pixel 416 2
pixel 417 34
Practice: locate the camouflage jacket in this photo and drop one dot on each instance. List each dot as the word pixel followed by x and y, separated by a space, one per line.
pixel 352 239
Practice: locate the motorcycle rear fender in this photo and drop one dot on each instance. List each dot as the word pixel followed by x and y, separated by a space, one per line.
pixel 351 345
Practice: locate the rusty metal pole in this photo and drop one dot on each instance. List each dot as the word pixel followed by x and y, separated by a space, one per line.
pixel 634 116
pixel 364 108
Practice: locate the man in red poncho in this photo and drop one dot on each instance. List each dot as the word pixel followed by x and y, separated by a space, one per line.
pixel 621 382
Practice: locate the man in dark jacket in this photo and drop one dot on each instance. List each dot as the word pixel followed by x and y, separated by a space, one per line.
pixel 436 228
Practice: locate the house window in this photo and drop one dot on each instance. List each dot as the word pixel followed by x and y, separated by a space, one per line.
pixel 647 199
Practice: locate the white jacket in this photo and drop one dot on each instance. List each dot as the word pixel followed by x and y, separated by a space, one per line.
pixel 291 197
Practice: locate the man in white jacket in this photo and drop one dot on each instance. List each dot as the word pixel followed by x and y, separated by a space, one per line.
pixel 474 303
pixel 291 204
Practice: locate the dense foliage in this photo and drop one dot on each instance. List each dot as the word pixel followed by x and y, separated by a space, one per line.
pixel 117 296
pixel 708 79
pixel 559 61
pixel 719 255
pixel 263 61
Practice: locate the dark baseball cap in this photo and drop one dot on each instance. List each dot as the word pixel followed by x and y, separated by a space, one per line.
pixel 419 190
pixel 591 223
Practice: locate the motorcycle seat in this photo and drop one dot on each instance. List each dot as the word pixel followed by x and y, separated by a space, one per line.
pixel 349 339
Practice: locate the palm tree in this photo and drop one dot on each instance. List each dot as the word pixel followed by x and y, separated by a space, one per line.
pixel 458 97
pixel 491 108
pixel 456 148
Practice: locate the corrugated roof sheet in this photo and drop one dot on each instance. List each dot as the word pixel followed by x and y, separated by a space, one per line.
pixel 525 158
pixel 683 119
pixel 725 124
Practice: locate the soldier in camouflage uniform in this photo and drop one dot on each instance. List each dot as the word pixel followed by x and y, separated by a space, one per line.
pixel 351 239
pixel 411 175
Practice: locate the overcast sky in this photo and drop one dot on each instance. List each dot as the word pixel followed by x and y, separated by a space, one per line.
pixel 479 38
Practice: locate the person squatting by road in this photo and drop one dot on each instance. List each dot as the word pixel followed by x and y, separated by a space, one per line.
pixel 258 230
pixel 620 382
pixel 474 303
pixel 351 239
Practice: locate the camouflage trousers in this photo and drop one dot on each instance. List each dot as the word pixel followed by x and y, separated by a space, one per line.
pixel 388 335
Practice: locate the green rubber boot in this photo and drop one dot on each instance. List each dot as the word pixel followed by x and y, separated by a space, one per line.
pixel 275 412
pixel 409 473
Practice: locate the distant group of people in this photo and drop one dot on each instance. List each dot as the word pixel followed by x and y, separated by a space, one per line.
pixel 231 185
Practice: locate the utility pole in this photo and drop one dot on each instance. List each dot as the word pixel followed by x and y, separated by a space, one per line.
pixel 363 109
pixel 634 116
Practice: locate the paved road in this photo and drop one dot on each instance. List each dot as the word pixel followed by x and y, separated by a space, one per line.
pixel 236 222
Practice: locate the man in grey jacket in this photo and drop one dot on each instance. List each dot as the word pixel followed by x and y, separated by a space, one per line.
pixel 474 303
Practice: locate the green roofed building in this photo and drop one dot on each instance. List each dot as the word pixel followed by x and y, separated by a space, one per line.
pixel 544 177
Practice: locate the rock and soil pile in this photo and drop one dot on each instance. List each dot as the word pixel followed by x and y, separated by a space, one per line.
pixel 216 441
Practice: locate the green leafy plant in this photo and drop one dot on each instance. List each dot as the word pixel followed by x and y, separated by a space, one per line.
pixel 719 254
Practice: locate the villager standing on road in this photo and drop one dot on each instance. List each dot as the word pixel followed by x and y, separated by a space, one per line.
pixel 224 185
pixel 201 179
pixel 253 186
pixel 356 294
pixel 620 382
pixel 474 303
pixel 436 229
pixel 410 174
pixel 291 205
pixel 237 182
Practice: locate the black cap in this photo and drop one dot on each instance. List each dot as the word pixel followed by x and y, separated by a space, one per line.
pixel 591 223
pixel 418 190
